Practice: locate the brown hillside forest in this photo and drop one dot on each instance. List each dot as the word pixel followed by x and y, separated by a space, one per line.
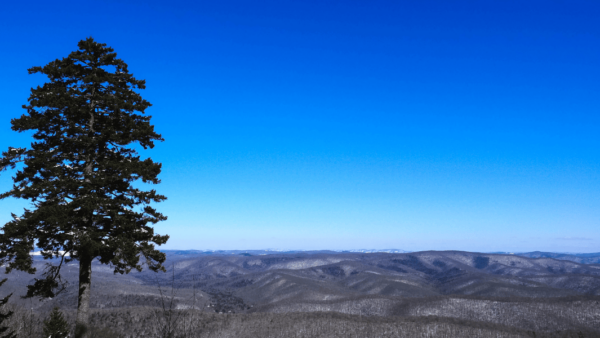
pixel 329 294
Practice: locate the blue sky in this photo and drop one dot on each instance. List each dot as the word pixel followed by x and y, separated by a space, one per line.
pixel 416 125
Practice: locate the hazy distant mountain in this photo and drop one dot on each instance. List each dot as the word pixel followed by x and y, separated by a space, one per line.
pixel 583 258
pixel 272 251
pixel 376 250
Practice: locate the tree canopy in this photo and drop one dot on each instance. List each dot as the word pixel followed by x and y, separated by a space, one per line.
pixel 56 326
pixel 4 330
pixel 79 171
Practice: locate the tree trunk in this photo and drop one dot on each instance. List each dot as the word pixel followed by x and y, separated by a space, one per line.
pixel 83 304
pixel 85 261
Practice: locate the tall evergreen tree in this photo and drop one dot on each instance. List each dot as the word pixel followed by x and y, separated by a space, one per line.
pixel 78 175
pixel 55 326
pixel 4 332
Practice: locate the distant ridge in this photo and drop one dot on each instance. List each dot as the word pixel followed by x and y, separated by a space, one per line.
pixel 582 258
pixel 376 250
pixel 277 251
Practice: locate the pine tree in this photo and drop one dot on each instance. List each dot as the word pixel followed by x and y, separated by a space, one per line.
pixel 4 332
pixel 78 175
pixel 55 326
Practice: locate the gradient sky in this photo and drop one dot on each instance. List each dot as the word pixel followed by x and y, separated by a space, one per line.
pixel 416 125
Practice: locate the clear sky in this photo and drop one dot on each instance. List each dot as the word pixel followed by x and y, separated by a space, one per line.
pixel 416 125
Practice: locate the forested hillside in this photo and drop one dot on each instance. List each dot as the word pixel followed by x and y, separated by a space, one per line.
pixel 327 294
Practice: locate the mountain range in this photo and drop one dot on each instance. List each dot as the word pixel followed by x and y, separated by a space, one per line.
pixel 526 291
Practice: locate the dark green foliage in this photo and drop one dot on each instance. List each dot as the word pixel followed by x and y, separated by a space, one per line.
pixel 78 173
pixel 4 331
pixel 56 326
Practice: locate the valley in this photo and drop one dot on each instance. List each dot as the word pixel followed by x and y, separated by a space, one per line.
pixel 499 291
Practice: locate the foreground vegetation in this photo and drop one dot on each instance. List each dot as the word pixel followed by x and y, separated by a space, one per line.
pixel 189 323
